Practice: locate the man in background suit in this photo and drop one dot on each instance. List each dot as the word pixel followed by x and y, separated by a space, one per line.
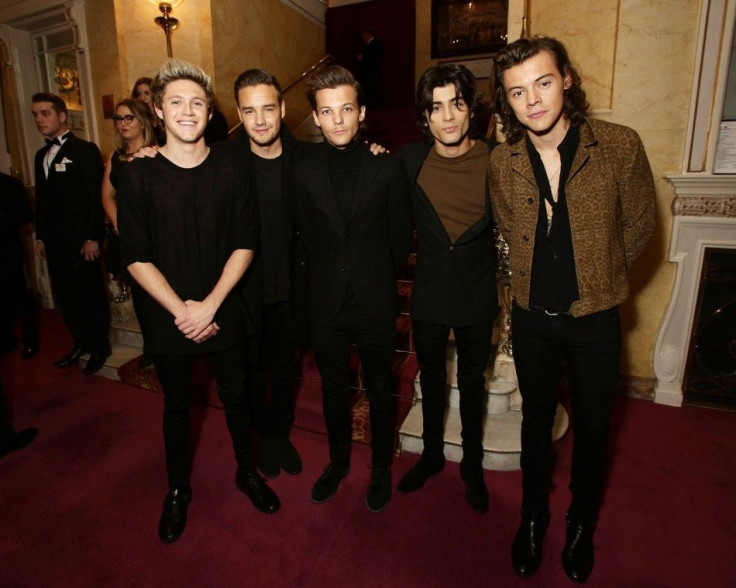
pixel 353 212
pixel 69 229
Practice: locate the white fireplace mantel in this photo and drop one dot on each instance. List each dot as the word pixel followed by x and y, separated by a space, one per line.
pixel 705 216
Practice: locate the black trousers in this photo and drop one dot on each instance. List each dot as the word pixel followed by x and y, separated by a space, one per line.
pixel 15 303
pixel 6 428
pixel 375 342
pixel 79 291
pixel 473 349
pixel 590 348
pixel 175 375
pixel 274 415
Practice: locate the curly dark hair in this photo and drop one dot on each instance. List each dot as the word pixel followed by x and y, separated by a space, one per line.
pixel 575 106
pixel 465 86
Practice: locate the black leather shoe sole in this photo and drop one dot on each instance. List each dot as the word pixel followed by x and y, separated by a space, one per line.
pixel 526 550
pixel 174 516
pixel 578 556
pixel 29 351
pixel 289 458
pixel 327 484
pixel 70 358
pixel 417 476
pixel 262 497
pixel 19 440
pixel 95 363
pixel 379 493
pixel 476 492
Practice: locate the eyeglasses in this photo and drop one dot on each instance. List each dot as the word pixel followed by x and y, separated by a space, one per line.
pixel 127 119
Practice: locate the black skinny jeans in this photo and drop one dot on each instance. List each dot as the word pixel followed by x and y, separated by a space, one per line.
pixel 175 374
pixel 590 348
pixel 473 348
pixel 274 415
pixel 375 342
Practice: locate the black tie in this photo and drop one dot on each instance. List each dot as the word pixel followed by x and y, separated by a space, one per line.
pixel 54 141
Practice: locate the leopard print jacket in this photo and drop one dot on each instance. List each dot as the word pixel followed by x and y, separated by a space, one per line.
pixel 611 203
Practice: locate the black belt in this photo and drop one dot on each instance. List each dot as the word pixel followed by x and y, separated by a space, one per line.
pixel 548 311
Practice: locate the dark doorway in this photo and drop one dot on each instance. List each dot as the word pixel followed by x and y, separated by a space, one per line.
pixel 710 375
pixel 393 23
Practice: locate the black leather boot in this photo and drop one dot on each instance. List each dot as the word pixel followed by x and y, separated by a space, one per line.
pixel 526 550
pixel 174 517
pixel 577 556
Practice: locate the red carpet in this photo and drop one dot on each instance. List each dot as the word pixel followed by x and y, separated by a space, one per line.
pixel 80 506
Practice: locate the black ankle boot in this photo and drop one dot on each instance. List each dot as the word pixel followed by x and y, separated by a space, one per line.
pixel 577 556
pixel 526 550
pixel 174 516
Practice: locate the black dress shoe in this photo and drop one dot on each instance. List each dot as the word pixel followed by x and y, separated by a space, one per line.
pixel 18 441
pixel 327 484
pixel 268 456
pixel 577 556
pixel 70 358
pixel 95 363
pixel 254 487
pixel 476 493
pixel 379 490
pixel 289 459
pixel 417 475
pixel 174 516
pixel 526 550
pixel 29 351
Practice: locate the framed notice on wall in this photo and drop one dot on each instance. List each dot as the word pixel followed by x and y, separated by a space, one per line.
pixel 460 27
pixel 726 150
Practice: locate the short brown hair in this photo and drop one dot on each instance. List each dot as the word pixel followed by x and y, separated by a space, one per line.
pixel 330 78
pixel 256 77
pixel 57 103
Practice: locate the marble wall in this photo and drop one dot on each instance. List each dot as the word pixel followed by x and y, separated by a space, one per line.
pixel 636 58
pixel 266 34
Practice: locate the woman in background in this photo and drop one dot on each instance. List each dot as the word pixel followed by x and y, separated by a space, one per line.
pixel 142 92
pixel 133 131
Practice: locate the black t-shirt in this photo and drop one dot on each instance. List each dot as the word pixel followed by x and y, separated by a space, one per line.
pixel 187 222
pixel 275 229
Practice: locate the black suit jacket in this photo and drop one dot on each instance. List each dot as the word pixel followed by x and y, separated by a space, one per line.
pixel 68 204
pixel 292 151
pixel 367 253
pixel 454 283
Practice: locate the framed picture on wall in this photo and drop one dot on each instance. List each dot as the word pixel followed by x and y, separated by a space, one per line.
pixel 460 27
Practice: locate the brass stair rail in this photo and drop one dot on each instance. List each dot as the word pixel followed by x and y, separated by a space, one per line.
pixel 327 59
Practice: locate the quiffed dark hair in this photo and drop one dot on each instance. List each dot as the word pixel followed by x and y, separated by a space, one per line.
pixel 465 86
pixel 255 77
pixel 56 102
pixel 329 78
pixel 575 107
